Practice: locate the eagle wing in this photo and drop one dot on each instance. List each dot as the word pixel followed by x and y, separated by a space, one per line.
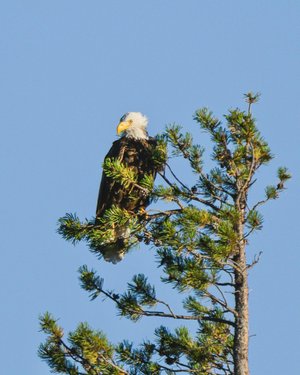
pixel 136 154
pixel 107 184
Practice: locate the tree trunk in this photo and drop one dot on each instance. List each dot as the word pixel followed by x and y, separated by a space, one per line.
pixel 241 336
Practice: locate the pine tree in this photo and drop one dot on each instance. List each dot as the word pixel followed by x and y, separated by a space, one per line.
pixel 200 242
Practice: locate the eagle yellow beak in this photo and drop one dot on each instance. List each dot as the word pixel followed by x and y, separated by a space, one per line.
pixel 123 125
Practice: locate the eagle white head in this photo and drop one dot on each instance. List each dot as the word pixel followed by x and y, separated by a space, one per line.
pixel 133 125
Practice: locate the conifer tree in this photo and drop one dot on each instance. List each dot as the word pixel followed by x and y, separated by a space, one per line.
pixel 200 242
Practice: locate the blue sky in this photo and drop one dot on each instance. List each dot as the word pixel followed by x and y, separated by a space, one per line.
pixel 69 70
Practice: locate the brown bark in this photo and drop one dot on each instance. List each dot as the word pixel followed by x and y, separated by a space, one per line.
pixel 241 330
pixel 241 336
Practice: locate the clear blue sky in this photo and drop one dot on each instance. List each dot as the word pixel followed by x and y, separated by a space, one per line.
pixel 69 70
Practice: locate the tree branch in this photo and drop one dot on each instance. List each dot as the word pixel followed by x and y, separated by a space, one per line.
pixel 220 302
pixel 255 260
pixel 176 178
pixel 175 199
pixel 162 314
pixel 259 204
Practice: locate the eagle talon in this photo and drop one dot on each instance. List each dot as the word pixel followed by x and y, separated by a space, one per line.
pixel 142 212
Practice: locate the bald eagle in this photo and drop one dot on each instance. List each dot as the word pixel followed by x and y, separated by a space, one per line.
pixel 134 150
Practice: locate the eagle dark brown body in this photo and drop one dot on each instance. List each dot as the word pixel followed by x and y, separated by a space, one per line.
pixel 133 153
pixel 134 150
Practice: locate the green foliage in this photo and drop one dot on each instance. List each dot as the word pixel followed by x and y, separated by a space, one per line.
pixel 193 306
pixel 207 120
pixel 283 174
pixel 254 220
pixel 85 351
pixel 141 288
pixel 101 233
pixel 165 193
pixel 147 182
pixel 71 229
pixel 182 144
pixel 115 169
pixel 160 153
pixel 197 237
pixel 116 215
pixel 90 281
pixel 271 192
pixel 203 354
pixel 138 360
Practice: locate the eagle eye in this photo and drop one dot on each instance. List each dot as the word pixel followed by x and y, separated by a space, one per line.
pixel 123 118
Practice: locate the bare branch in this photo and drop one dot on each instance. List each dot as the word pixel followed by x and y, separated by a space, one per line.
pixel 255 260
pixel 176 178
pixel 167 306
pixel 224 284
pixel 163 213
pixel 162 314
pixel 259 204
pixel 214 299
pixel 228 263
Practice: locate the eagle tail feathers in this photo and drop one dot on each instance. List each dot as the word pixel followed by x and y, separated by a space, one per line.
pixel 115 250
